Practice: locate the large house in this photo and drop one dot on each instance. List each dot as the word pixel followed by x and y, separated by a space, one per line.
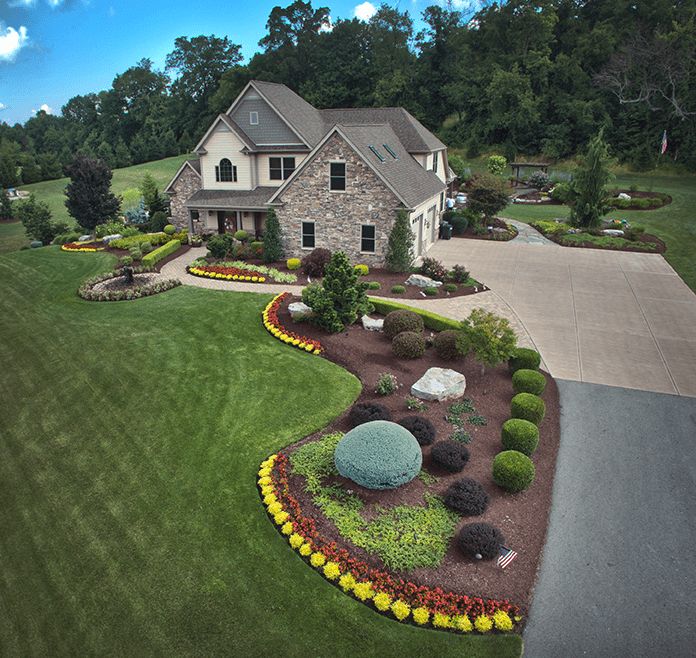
pixel 336 178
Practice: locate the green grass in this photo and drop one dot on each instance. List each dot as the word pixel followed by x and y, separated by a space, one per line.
pixel 12 237
pixel 131 433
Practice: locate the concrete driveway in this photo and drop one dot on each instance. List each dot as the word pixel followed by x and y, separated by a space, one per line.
pixel 618 318
pixel 618 573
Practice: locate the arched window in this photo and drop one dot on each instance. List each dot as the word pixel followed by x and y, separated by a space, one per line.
pixel 226 172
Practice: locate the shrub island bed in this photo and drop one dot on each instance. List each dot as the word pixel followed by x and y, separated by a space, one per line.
pixel 633 239
pixel 404 549
pixel 117 286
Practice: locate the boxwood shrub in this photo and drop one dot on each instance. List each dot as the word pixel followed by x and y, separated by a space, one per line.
pixel 513 471
pixel 420 427
pixel 520 435
pixel 397 322
pixel 528 381
pixel 446 345
pixel 480 539
pixel 529 407
pixel 154 257
pixel 430 320
pixel 523 357
pixel 408 345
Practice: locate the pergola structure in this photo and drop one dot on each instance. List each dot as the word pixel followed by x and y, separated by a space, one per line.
pixel 518 166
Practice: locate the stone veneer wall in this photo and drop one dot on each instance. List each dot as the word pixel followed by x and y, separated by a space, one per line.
pixel 338 216
pixel 185 187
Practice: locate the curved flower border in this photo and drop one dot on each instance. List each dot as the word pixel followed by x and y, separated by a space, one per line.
pixel 226 273
pixel 87 292
pixel 405 601
pixel 79 246
pixel 276 329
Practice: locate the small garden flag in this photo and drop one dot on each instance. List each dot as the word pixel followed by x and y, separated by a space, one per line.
pixel 506 556
pixel 663 148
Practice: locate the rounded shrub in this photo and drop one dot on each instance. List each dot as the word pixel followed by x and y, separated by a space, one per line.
pixel 374 285
pixel 241 235
pixel 398 290
pixel 408 345
pixel 293 263
pixel 146 247
pixel 421 428
pixel 521 435
pixel 315 261
pixel 513 471
pixel 170 229
pixel 466 496
pixel 430 292
pixel 362 269
pixel 256 248
pixel 378 455
pixel 450 455
pixel 528 381
pixel 529 407
pixel 446 345
pixel 365 412
pixel 523 357
pixel 402 320
pixel 450 287
pixel 480 539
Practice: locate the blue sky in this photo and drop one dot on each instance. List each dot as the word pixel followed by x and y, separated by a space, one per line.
pixel 51 50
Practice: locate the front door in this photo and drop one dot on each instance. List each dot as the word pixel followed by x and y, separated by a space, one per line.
pixel 227 221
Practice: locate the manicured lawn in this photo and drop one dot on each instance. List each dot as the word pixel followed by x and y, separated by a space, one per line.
pixel 12 236
pixel 131 434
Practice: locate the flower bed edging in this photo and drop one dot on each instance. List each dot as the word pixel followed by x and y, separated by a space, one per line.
pixel 276 329
pixel 405 601
pixel 87 292
pixel 226 273
pixel 77 246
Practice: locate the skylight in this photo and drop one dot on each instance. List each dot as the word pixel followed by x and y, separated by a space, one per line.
pixel 380 157
pixel 389 150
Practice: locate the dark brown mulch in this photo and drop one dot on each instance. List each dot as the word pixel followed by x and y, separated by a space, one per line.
pixel 510 232
pixel 522 517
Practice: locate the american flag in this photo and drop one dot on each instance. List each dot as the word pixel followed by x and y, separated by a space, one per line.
pixel 663 147
pixel 506 556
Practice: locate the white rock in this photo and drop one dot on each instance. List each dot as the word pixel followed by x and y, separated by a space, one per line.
pixel 613 231
pixel 624 196
pixel 108 238
pixel 439 384
pixel 84 238
pixel 299 311
pixel 371 324
pixel 422 281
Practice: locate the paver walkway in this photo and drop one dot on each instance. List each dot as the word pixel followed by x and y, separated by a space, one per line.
pixel 529 235
pixel 618 574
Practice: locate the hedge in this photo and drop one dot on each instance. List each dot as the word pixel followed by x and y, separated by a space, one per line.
pixel 430 320
pixel 154 257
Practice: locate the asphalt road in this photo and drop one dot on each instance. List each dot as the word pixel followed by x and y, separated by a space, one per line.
pixel 618 575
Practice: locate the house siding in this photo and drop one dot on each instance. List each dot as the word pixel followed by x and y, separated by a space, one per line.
pixel 430 226
pixel 271 129
pixel 185 186
pixel 223 143
pixel 338 216
pixel 263 166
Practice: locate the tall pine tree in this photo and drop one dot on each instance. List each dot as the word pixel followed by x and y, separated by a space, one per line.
pixel 88 195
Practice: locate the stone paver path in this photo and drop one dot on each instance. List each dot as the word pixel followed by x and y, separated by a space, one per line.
pixel 529 235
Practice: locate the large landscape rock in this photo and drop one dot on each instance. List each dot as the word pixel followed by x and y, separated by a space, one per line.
pixel 84 238
pixel 624 197
pixel 110 238
pixel 439 384
pixel 299 311
pixel 616 232
pixel 422 281
pixel 372 324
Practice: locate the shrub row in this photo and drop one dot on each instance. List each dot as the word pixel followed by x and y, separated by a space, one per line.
pixel 430 320
pixel 154 257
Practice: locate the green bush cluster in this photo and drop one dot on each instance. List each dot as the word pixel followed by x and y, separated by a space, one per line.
pixel 293 263
pixel 513 471
pixel 154 257
pixel 374 285
pixel 170 229
pixel 155 239
pixel 408 345
pixel 524 358
pixel 430 291
pixel 221 245
pixel 398 290
pixel 361 269
pixel 528 407
pixel 520 435
pixel 399 321
pixel 446 345
pixel 528 381
pixel 430 320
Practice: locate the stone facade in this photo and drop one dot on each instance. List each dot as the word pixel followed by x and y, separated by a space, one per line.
pixel 338 216
pixel 185 186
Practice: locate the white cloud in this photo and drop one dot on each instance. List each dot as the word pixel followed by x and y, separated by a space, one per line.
pixel 11 41
pixel 45 108
pixel 22 3
pixel 3 107
pixel 327 27
pixel 364 11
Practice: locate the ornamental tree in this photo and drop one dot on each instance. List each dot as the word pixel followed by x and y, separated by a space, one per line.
pixel 88 195
pixel 487 195
pixel 400 254
pixel 272 239
pixel 36 219
pixel 488 336
pixel 154 201
pixel 588 204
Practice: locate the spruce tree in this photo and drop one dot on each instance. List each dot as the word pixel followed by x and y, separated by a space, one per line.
pixel 154 201
pixel 400 246
pixel 6 211
pixel 88 195
pixel 273 238
pixel 589 204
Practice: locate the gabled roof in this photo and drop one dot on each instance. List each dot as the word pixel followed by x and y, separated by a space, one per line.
pixel 248 144
pixel 411 184
pixel 195 165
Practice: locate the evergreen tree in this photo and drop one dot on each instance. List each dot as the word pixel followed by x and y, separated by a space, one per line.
pixel 36 219
pixel 589 204
pixel 88 195
pixel 6 210
pixel 273 238
pixel 154 201
pixel 400 254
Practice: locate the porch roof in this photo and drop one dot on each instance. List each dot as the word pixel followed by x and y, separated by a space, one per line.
pixel 232 199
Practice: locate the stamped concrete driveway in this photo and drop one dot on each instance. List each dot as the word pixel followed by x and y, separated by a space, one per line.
pixel 607 317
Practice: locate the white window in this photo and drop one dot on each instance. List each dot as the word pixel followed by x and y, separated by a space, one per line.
pixel 226 172
pixel 308 235
pixel 337 176
pixel 368 238
pixel 254 118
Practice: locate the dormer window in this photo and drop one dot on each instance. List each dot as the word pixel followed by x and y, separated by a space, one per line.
pixel 226 172
pixel 254 118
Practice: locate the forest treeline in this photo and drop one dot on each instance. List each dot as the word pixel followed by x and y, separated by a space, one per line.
pixel 530 77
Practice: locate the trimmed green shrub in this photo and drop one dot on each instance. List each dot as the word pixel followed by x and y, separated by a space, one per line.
pixel 361 269
pixel 480 539
pixel 450 287
pixel 446 345
pixel 460 223
pixel 400 254
pixel 398 290
pixel 256 249
pixel 528 407
pixel 241 235
pixel 158 254
pixel 293 263
pixel 528 381
pixel 155 239
pixel 272 239
pixel 125 261
pixel 397 322
pixel 430 320
pixel 374 285
pixel 158 222
pixel 221 245
pixel 408 345
pixel 521 435
pixel 450 455
pixel 513 471
pixel 146 247
pixel 430 292
pixel 378 455
pixel 170 229
pixel 523 357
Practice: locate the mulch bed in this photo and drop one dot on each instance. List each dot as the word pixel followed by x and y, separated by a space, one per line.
pixel 497 236
pixel 642 194
pixel 522 517
pixel 661 247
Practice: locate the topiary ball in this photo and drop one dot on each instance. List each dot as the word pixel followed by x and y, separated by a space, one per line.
pixel 520 435
pixel 408 345
pixel 451 455
pixel 523 357
pixel 170 229
pixel 420 427
pixel 529 407
pixel 480 539
pixel 446 345
pixel 402 320
pixel 513 471
pixel 528 381
pixel 378 455
pixel 364 412
pixel 467 497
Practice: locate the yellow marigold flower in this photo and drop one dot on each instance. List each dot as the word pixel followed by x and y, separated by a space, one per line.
pixel 483 624
pixel 364 591
pixel 382 601
pixel 267 491
pixel 287 528
pixel 264 471
pixel 269 498
pixel 463 624
pixel 346 582
pixel 274 508
pixel 400 610
pixel 305 550
pixel 441 621
pixel 421 616
pixel 296 540
pixel 281 518
pixel 502 621
pixel 265 480
pixel 518 618
pixel 332 570
pixel 317 560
